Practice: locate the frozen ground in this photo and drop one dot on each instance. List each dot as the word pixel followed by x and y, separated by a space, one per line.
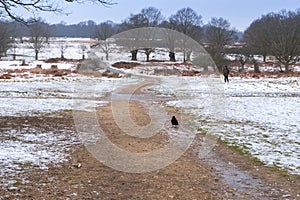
pixel 259 116
pixel 30 97
pixel 73 48
pixel 25 144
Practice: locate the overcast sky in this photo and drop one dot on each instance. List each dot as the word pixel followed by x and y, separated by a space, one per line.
pixel 240 13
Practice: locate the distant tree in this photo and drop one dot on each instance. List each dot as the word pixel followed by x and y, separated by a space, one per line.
pixel 83 49
pixel 129 42
pixel 218 34
pixel 11 8
pixel 255 63
pixel 38 37
pixel 277 34
pixel 106 46
pixel 169 39
pixel 143 39
pixel 243 54
pixel 14 47
pixel 146 40
pixel 134 21
pixel 148 17
pixel 63 47
pixel 104 31
pixel 256 38
pixel 285 37
pixel 188 22
pixel 153 16
pixel 186 45
pixel 5 40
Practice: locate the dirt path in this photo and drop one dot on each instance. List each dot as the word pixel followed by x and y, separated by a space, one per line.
pixel 223 174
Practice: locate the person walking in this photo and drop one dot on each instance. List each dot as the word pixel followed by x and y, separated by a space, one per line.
pixel 226 74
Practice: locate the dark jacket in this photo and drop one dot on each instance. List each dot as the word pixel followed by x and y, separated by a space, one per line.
pixel 225 71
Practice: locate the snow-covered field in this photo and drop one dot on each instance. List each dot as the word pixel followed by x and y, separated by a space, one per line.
pixel 25 146
pixel 31 97
pixel 73 48
pixel 260 116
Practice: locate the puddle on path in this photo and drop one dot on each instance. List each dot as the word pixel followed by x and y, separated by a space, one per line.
pixel 243 184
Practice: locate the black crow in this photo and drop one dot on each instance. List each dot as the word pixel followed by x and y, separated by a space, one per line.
pixel 174 122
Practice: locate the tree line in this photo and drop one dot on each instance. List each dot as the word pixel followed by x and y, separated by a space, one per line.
pixel 185 20
pixel 274 34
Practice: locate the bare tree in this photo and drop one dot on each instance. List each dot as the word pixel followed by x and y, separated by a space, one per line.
pixel 152 16
pixel 14 48
pixel 63 47
pixel 278 34
pixel 5 40
pixel 143 39
pixel 219 34
pixel 102 33
pixel 188 22
pixel 106 46
pixel 38 37
pixel 104 30
pixel 148 17
pixel 285 38
pixel 12 8
pixel 129 41
pixel 243 54
pixel 134 21
pixel 83 49
pixel 170 42
pixel 256 38
pixel 169 38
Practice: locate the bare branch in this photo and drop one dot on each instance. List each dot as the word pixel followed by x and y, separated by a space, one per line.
pixel 10 8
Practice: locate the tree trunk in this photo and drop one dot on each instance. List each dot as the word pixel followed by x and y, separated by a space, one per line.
pixel 242 68
pixel 220 69
pixel 148 51
pixel 36 55
pixel 242 62
pixel 188 56
pixel 134 54
pixel 172 56
pixel 264 57
pixel 106 55
pixel 286 68
pixel 214 67
pixel 256 67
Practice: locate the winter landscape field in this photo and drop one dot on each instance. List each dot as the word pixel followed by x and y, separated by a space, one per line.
pixel 258 116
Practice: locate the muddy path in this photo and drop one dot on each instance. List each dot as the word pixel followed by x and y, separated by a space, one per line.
pixel 244 177
pixel 239 177
pixel 224 173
